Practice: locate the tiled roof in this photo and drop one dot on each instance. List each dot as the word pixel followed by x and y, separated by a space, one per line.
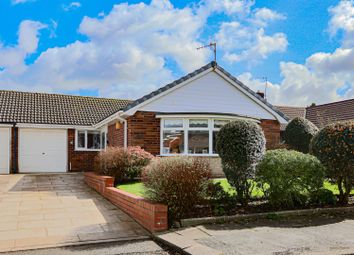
pixel 42 108
pixel 196 72
pixel 324 114
pixel 291 112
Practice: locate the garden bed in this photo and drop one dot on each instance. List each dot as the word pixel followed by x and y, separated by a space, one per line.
pixel 256 206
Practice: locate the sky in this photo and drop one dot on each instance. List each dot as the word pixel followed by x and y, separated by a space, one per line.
pixel 126 49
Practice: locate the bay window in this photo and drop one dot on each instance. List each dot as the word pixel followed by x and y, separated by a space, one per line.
pixel 90 140
pixel 190 136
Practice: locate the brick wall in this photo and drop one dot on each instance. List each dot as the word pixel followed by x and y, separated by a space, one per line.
pixel 79 160
pixel 271 129
pixel 144 131
pixel 115 137
pixel 152 216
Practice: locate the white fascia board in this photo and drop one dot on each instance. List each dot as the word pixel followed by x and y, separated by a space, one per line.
pixel 115 116
pixel 133 110
pixel 6 125
pixel 213 116
pixel 52 126
pixel 256 100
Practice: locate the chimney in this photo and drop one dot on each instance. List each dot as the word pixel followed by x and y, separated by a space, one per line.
pixel 260 93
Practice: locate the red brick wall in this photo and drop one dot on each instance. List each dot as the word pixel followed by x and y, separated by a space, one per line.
pixel 115 137
pixel 153 216
pixel 79 160
pixel 271 129
pixel 144 131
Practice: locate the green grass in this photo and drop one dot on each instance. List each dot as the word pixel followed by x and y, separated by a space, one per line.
pixel 137 188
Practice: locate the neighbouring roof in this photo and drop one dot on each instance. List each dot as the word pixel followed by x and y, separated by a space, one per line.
pixel 291 112
pixel 324 114
pixel 42 108
pixel 196 72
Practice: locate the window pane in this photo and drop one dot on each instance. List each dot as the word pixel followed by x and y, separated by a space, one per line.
pixel 93 140
pixel 81 139
pixel 103 140
pixel 198 142
pixel 173 123
pixel 195 123
pixel 220 123
pixel 215 133
pixel 173 142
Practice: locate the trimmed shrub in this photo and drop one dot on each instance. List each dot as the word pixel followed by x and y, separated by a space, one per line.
pixel 323 197
pixel 298 134
pixel 122 164
pixel 241 145
pixel 289 177
pixel 334 147
pixel 179 182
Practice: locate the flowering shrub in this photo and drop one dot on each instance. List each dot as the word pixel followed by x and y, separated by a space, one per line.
pixel 122 163
pixel 180 182
pixel 290 176
pixel 241 145
pixel 334 147
pixel 298 134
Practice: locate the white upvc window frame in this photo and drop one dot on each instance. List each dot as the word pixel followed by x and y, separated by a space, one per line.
pixel 185 128
pixel 100 131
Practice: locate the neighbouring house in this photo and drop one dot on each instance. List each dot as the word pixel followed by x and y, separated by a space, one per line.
pixel 320 115
pixel 59 133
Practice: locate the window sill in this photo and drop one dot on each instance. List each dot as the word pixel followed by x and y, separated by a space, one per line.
pixel 88 149
pixel 190 155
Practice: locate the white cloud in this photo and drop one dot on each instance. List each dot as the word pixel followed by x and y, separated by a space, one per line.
pixel 263 16
pixel 14 2
pixel 12 57
pixel 128 51
pixel 250 43
pixel 71 6
pixel 125 54
pixel 342 19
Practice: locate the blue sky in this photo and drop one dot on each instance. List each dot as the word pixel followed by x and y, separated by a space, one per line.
pixel 84 47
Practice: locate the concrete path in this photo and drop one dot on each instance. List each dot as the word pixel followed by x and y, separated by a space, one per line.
pixel 50 210
pixel 127 248
pixel 311 235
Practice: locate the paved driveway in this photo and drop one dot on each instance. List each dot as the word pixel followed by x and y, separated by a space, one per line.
pixel 49 210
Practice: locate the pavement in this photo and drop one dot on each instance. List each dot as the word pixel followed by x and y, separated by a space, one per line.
pixel 324 234
pixel 51 210
pixel 131 248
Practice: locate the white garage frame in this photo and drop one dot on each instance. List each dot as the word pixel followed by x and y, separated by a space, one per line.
pixel 8 147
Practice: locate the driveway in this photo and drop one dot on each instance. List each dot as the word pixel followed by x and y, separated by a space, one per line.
pixel 50 210
pixel 315 235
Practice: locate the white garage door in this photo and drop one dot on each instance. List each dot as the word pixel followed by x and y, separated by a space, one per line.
pixel 4 150
pixel 42 150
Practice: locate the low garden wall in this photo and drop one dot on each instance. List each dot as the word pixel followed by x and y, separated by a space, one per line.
pixel 152 216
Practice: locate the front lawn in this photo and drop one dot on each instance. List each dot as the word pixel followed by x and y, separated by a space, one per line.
pixel 137 188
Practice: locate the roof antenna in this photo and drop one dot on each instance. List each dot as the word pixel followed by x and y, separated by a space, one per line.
pixel 210 45
pixel 265 79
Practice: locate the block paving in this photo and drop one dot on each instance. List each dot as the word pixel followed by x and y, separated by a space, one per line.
pixel 50 210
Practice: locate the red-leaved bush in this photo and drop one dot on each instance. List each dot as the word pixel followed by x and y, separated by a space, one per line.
pixel 179 182
pixel 122 164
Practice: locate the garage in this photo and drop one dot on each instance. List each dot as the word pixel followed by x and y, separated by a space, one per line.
pixel 42 150
pixel 5 136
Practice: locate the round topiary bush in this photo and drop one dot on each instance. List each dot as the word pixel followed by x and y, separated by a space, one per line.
pixel 289 177
pixel 298 134
pixel 241 145
pixel 334 147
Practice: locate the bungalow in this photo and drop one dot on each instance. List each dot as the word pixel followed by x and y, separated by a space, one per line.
pixel 58 133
